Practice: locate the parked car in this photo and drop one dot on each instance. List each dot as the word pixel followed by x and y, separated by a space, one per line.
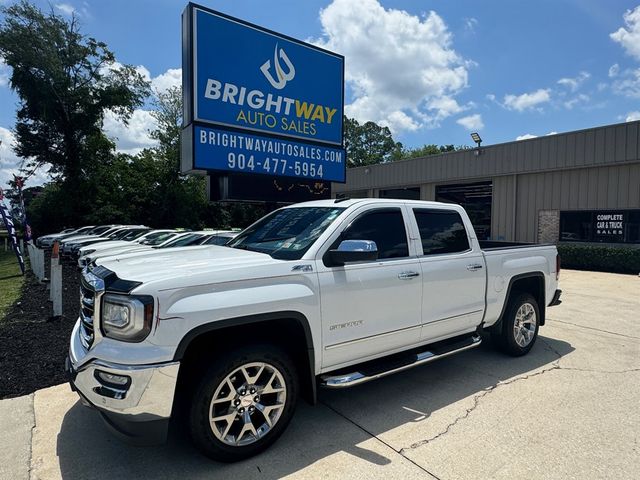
pixel 67 244
pixel 142 245
pixel 219 238
pixel 96 232
pixel 328 293
pixel 73 248
pixel 46 241
pixel 208 237
pixel 126 241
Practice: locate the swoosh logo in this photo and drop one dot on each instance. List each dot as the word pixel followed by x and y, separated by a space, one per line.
pixel 282 77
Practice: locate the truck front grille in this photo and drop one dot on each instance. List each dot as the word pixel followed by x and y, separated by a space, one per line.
pixel 87 309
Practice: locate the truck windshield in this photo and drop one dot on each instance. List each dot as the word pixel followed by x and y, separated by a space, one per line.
pixel 288 233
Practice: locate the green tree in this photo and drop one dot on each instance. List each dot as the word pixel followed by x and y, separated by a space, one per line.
pixel 368 143
pixel 66 82
pixel 425 151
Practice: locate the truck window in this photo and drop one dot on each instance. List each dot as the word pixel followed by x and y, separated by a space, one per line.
pixel 385 227
pixel 288 233
pixel 441 231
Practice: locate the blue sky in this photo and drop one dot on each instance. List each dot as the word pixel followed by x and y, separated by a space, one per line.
pixel 431 70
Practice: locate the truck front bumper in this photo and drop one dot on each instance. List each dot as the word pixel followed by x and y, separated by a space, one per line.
pixel 139 409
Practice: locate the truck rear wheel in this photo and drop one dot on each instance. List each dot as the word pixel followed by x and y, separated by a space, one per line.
pixel 243 403
pixel 519 325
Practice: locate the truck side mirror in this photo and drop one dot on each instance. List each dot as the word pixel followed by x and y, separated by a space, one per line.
pixel 352 251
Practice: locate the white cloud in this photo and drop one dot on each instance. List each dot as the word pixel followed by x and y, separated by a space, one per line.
pixel 8 157
pixel 401 67
pixel 443 107
pixel 614 70
pixel 526 136
pixel 527 100
pixel 131 138
pixel 10 162
pixel 471 122
pixel 470 24
pixel 628 84
pixel 168 79
pixel 172 77
pixel 65 8
pixel 574 83
pixel 633 116
pixel 5 73
pixel 572 102
pixel 629 37
pixel 134 137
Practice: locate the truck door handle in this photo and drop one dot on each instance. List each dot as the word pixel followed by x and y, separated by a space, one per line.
pixel 474 266
pixel 408 275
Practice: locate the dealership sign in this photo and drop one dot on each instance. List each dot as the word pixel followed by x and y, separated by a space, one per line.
pixel 609 224
pixel 259 102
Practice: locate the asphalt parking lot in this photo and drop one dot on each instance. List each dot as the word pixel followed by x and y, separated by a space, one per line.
pixel 567 410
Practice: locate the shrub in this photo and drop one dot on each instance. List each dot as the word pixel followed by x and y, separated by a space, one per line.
pixel 603 258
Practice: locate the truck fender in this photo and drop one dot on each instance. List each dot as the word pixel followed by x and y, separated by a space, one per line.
pixel 253 319
pixel 542 306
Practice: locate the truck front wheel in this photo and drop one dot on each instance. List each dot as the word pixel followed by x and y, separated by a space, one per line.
pixel 519 325
pixel 243 403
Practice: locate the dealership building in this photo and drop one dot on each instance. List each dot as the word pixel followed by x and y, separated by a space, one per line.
pixel 581 186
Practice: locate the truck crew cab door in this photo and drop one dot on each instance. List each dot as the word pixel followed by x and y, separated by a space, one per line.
pixel 453 273
pixel 370 308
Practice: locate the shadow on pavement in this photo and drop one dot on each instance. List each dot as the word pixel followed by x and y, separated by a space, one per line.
pixel 87 450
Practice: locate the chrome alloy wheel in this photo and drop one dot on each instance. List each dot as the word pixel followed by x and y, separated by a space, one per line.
pixel 524 328
pixel 247 404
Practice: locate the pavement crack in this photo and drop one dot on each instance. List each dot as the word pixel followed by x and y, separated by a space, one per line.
pixel 476 398
pixel 33 427
pixel 595 329
pixel 400 452
pixel 476 402
pixel 594 370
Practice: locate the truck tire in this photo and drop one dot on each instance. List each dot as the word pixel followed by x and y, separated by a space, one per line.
pixel 243 403
pixel 519 325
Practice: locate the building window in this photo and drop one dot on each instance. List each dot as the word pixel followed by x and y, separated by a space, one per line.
pixel 441 231
pixel 476 199
pixel 357 194
pixel 602 226
pixel 410 193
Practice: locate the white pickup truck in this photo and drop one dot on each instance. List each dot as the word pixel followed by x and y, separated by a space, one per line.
pixel 326 293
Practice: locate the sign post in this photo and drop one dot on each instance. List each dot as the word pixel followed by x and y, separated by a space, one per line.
pixel 264 105
pixel 55 292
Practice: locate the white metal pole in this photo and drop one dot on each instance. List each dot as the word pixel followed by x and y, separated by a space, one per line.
pixel 55 281
pixel 40 262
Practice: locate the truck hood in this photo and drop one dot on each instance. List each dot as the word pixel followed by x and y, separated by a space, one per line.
pixel 160 264
pixel 77 238
pixel 108 244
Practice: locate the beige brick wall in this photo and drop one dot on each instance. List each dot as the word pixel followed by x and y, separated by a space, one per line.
pixel 548 226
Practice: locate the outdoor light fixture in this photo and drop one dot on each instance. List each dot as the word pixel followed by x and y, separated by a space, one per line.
pixel 476 138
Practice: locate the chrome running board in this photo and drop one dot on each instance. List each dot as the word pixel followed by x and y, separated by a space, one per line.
pixel 378 369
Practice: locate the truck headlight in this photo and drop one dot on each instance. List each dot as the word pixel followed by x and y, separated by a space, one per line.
pixel 126 317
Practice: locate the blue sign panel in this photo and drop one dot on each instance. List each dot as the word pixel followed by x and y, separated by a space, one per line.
pixel 220 149
pixel 249 78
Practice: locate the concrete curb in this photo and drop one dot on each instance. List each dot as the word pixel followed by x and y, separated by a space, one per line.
pixel 18 420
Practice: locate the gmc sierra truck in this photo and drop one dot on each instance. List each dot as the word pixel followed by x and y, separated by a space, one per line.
pixel 329 293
